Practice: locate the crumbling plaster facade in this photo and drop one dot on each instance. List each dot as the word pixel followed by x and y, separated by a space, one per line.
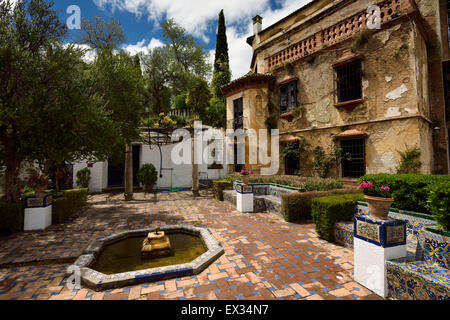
pixel 395 109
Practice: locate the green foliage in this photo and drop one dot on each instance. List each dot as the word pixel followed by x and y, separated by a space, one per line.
pixel 323 162
pixel 291 150
pixel 52 108
pixel 221 60
pixel 410 191
pixel 68 204
pixel 11 217
pixel 289 67
pixel 221 77
pixel 303 183
pixel 84 177
pixel 326 211
pixel 179 102
pixel 157 77
pixel 219 186
pixel 147 175
pixel 410 161
pixel 216 115
pixel 98 33
pixel 359 39
pixel 188 60
pixel 438 203
pixel 297 206
pixel 198 97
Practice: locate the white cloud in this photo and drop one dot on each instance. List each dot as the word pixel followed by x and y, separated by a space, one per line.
pixel 198 16
pixel 142 46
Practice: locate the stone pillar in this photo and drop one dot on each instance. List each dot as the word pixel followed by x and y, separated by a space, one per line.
pixel 38 213
pixel 375 242
pixel 128 172
pixel 244 197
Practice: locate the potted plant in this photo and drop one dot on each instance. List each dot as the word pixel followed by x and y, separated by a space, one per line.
pixel 147 176
pixel 39 184
pixel 245 174
pixel 84 177
pixel 378 198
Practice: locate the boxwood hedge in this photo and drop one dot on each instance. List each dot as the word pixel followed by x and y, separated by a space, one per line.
pixel 297 206
pixel 326 211
pixel 410 191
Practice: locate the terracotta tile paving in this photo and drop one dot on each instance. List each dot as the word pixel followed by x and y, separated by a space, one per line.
pixel 265 257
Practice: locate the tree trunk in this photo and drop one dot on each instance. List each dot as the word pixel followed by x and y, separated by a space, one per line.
pixel 195 184
pixel 11 180
pixel 128 173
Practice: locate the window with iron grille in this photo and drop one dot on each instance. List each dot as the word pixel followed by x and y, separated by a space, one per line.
pixel 288 97
pixel 354 161
pixel 349 82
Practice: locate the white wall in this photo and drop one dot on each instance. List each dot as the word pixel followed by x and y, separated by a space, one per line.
pixel 181 175
pixel 99 176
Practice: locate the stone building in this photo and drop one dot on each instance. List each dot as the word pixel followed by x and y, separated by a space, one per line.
pixel 328 74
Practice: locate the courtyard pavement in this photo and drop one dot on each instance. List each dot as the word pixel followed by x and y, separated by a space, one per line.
pixel 265 257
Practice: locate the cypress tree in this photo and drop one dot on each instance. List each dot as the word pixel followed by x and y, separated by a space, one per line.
pixel 222 73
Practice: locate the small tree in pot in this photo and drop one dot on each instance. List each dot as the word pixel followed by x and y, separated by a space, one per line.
pixel 147 176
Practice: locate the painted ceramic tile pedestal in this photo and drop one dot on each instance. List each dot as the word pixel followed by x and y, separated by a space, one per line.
pixel 375 242
pixel 38 213
pixel 244 195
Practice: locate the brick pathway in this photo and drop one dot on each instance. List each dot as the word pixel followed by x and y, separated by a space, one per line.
pixel 265 257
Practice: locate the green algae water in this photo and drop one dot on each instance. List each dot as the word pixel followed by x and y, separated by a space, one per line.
pixel 125 255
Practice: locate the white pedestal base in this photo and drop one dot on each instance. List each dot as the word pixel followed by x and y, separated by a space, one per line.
pixel 370 264
pixel 37 218
pixel 244 202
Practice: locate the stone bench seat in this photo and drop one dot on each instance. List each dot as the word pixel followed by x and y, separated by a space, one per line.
pixel 419 280
pixel 267 198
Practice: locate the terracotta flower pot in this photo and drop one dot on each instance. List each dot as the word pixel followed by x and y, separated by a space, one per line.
pixel 379 207
pixel 39 191
pixel 148 188
pixel 245 179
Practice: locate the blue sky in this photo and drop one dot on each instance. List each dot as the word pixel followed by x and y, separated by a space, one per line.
pixel 140 20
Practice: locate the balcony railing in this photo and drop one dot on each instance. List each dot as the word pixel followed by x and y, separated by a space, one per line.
pixel 336 33
pixel 237 123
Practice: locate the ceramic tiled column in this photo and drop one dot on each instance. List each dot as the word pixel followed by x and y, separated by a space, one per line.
pixel 244 194
pixel 375 242
pixel 38 213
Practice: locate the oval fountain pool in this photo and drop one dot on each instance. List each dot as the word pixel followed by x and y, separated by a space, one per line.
pixel 118 260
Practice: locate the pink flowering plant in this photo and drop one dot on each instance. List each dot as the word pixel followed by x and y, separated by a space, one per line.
pixel 372 190
pixel 246 172
pixel 38 181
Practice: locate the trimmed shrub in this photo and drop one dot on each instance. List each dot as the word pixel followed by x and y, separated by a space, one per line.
pixel 297 205
pixel 219 186
pixel 69 204
pixel 439 203
pixel 410 191
pixel 326 211
pixel 147 175
pixel 11 217
pixel 305 183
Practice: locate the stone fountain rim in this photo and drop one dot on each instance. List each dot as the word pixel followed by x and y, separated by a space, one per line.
pixel 99 281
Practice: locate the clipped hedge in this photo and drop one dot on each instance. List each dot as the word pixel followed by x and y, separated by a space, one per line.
pixel 219 186
pixel 68 204
pixel 305 183
pixel 11 217
pixel 439 203
pixel 297 205
pixel 326 211
pixel 410 191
